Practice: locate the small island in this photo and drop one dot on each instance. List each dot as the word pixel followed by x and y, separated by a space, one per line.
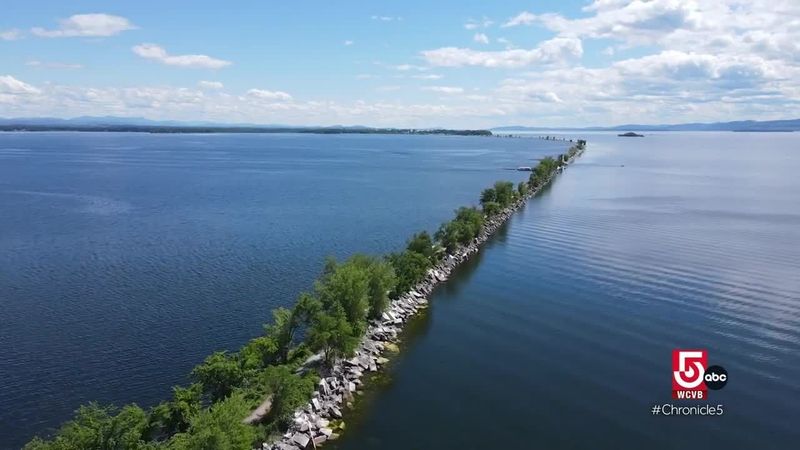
pixel 630 134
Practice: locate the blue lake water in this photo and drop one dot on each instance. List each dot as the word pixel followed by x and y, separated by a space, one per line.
pixel 560 334
pixel 125 259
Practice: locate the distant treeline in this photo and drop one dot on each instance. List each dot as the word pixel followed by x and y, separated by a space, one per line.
pixel 330 320
pixel 223 129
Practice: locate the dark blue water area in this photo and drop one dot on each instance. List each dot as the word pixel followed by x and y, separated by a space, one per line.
pixel 126 258
pixel 560 333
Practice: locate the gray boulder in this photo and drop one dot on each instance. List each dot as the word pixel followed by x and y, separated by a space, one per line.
pixel 301 439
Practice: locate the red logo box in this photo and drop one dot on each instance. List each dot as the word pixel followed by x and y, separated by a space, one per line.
pixel 688 368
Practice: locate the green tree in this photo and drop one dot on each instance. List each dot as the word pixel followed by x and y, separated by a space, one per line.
pixel 522 189
pixel 219 374
pixel 331 333
pixel 449 234
pixel 282 329
pixel 542 172
pixel 98 427
pixel 504 193
pixel 346 285
pixel 382 281
pixel 259 352
pixel 218 428
pixel 488 195
pixel 472 221
pixel 461 230
pixel 173 416
pixel 289 392
pixel 305 309
pixel 423 244
pixel 410 268
pixel 491 208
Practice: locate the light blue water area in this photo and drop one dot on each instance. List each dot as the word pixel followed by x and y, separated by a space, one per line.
pixel 560 335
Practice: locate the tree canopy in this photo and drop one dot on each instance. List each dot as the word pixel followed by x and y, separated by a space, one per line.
pixel 219 427
pixel 423 244
pixel 289 391
pixel 461 230
pixel 98 427
pixel 219 374
pixel 331 333
pixel 504 193
pixel 410 268
pixel 172 417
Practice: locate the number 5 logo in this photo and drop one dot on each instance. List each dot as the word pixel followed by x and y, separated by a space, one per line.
pixel 688 367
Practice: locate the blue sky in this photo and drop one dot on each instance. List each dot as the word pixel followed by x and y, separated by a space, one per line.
pixel 410 63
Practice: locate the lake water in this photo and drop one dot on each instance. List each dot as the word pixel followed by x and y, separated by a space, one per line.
pixel 560 334
pixel 125 259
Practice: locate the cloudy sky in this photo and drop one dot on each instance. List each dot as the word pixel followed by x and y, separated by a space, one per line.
pixel 403 63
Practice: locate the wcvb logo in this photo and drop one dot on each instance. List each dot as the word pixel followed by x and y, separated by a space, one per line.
pixel 692 377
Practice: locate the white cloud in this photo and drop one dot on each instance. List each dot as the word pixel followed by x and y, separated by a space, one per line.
pixel 637 22
pixel 523 18
pixel 681 67
pixel 631 90
pixel 644 22
pixel 481 38
pixel 10 35
pixel 409 67
pixel 388 88
pixel 553 97
pixel 475 24
pixel 386 18
pixel 349 42
pixel 555 50
pixel 87 25
pixel 262 94
pixel 450 90
pixel 670 86
pixel 157 53
pixel 53 65
pixel 428 76
pixel 212 85
pixel 11 85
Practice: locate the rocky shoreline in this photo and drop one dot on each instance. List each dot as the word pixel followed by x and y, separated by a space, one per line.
pixel 320 420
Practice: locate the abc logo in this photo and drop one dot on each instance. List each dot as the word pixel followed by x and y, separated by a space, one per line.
pixel 715 377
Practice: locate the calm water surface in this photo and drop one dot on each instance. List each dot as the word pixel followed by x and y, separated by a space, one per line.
pixel 126 258
pixel 559 335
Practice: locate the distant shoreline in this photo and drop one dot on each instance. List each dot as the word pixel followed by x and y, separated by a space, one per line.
pixel 250 130
pixel 782 125
pixel 763 131
pixel 494 132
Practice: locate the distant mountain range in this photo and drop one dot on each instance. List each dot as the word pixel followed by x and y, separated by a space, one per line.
pixel 742 125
